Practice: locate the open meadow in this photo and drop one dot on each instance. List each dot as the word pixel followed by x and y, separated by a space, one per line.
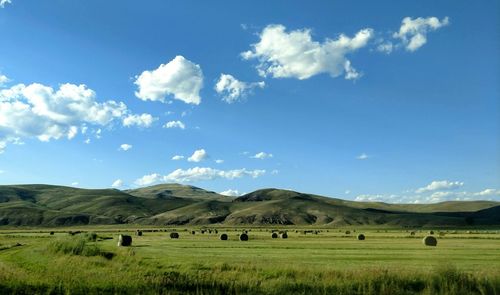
pixel 322 261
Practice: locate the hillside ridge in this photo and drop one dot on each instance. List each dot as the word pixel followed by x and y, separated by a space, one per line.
pixel 178 204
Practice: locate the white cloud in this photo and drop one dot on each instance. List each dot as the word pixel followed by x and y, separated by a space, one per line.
pixel 262 156
pixel 175 124
pixel 433 193
pixel 9 140
pixel 363 156
pixel 294 54
pixel 231 193
pixel 177 157
pixel 3 2
pixel 149 179
pixel 440 185
pixel 3 79
pixel 489 192
pixel 40 111
pixel 198 156
pixel 350 72
pixel 219 161
pixel 233 90
pixel 74 183
pixel 143 120
pixel 117 183
pixel 180 77
pixel 198 174
pixel 385 47
pixel 413 32
pixel 125 147
pixel 204 173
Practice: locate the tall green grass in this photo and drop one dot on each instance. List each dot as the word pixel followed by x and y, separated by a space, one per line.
pixel 76 246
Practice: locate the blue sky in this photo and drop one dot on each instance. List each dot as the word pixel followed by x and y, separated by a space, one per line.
pixel 391 101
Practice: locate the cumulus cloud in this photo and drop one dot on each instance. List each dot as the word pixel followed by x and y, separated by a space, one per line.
pixel 125 147
pixel 294 54
pixel 431 197
pixel 177 158
pixel 440 185
pixel 3 2
pixel 233 90
pixel 413 32
pixel 175 124
pixel 143 120
pixel 231 193
pixel 204 173
pixel 3 80
pixel 219 161
pixel 117 183
pixel 198 174
pixel 489 192
pixel 40 111
pixel 149 179
pixel 179 78
pixel 198 156
pixel 262 156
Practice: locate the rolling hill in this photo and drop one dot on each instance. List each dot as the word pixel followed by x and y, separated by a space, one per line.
pixel 176 204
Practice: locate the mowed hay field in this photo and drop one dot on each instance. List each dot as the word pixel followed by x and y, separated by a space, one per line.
pixel 330 262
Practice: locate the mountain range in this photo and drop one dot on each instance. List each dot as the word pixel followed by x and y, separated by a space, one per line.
pixel 176 204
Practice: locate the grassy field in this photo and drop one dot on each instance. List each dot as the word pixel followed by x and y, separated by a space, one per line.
pixel 331 262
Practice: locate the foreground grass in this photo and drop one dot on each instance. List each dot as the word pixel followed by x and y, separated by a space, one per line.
pixel 201 264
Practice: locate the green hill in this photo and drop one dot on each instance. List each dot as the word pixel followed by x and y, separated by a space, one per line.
pixel 175 204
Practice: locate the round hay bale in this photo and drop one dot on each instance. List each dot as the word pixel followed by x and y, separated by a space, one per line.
pixel 430 241
pixel 124 241
pixel 138 233
pixel 51 233
pixel 174 235
pixel 243 237
pixel 431 232
pixel 274 236
pixel 284 235
pixel 347 232
pixel 412 233
pixel 193 232
pixel 361 237
pixel 223 237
